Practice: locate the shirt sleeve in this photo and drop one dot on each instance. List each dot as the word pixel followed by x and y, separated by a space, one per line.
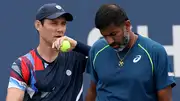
pixel 82 48
pixel 90 69
pixel 164 75
pixel 16 79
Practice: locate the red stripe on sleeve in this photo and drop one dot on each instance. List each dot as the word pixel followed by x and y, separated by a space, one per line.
pixel 16 76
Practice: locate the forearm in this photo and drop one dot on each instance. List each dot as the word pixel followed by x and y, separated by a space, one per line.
pixel 14 95
pixel 164 99
pixel 13 99
pixel 91 96
pixel 165 94
pixel 82 48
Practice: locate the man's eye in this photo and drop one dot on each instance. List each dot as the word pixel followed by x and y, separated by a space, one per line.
pixel 112 34
pixel 53 23
pixel 63 23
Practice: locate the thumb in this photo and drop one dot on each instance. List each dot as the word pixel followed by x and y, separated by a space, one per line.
pixel 53 46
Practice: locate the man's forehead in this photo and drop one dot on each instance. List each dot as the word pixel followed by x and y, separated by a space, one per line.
pixel 111 28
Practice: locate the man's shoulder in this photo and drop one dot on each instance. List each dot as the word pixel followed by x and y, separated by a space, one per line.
pixel 20 69
pixel 152 48
pixel 25 57
pixel 150 45
pixel 99 45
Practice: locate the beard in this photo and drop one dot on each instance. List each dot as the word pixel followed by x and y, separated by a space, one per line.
pixel 119 46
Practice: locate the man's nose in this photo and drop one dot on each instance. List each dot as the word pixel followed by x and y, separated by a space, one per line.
pixel 60 29
pixel 110 40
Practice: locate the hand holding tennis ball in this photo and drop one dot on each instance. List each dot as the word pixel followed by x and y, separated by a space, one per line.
pixel 65 46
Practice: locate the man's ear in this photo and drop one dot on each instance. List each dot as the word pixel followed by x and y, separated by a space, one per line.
pixel 128 25
pixel 37 24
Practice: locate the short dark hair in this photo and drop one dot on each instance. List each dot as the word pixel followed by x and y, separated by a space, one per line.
pixel 42 21
pixel 110 14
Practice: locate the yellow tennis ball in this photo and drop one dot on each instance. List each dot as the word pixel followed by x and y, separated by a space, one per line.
pixel 65 46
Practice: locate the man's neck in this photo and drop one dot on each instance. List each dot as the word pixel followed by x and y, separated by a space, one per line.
pixel 47 52
pixel 133 38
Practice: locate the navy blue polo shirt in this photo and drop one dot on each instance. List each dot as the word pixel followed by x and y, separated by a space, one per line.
pixel 146 70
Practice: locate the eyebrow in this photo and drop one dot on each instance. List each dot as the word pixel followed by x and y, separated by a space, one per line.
pixel 113 32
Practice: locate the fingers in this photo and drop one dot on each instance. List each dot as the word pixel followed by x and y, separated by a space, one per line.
pixel 61 40
pixel 53 45
pixel 57 44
